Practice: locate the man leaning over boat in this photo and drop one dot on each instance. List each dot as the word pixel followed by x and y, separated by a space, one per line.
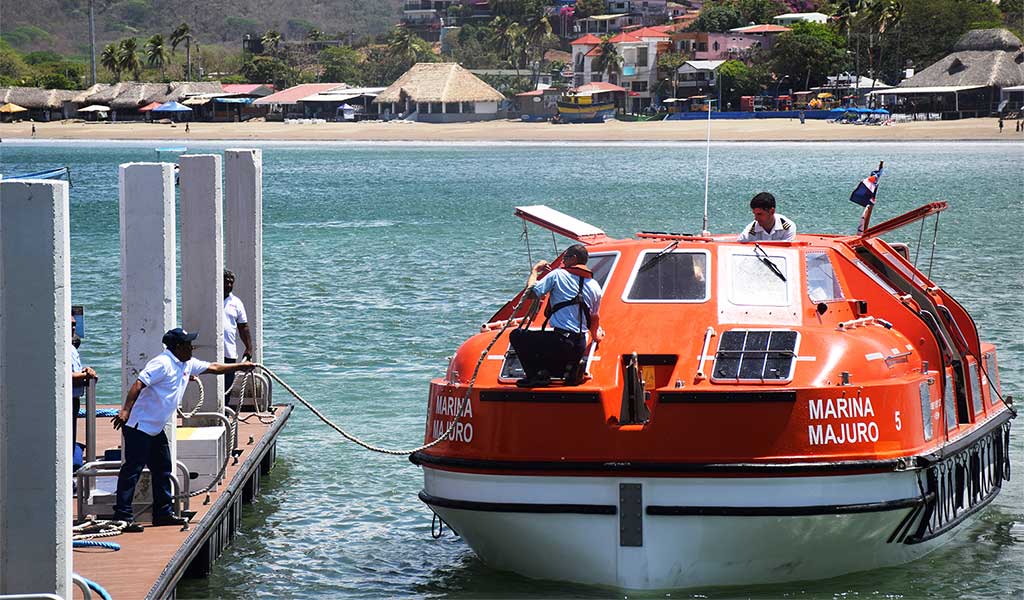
pixel 767 226
pixel 572 310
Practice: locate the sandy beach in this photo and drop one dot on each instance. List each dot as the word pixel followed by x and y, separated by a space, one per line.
pixel 516 131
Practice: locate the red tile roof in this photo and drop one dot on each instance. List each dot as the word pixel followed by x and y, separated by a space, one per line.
pixel 650 32
pixel 587 40
pixel 245 88
pixel 595 51
pixel 761 29
pixel 625 37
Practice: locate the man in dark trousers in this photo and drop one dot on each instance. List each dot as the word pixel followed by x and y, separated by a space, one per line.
pixel 573 311
pixel 148 406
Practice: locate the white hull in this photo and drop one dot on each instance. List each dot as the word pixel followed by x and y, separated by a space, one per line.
pixel 679 551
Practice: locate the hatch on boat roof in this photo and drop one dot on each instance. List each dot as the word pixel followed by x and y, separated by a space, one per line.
pixel 560 223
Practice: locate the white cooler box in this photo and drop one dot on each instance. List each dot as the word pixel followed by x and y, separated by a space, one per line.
pixel 202 449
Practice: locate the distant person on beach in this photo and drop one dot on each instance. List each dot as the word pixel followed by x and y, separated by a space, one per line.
pixel 186 127
pixel 1000 126
pixel 149 405
pixel 80 377
pixel 767 226
pixel 573 311
pixel 33 130
pixel 236 325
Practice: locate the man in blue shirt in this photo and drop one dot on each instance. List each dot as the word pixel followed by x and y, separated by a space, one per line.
pixel 572 310
pixel 148 406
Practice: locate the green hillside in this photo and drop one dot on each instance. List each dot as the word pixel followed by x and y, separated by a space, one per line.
pixel 63 25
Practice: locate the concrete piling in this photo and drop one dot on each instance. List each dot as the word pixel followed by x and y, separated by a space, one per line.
pixel 243 235
pixel 148 273
pixel 35 389
pixel 202 266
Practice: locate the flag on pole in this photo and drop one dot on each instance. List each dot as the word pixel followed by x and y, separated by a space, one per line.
pixel 865 192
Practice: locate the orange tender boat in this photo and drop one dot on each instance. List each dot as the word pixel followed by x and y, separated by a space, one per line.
pixel 757 413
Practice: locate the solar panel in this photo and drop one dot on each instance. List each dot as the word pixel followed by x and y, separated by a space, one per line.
pixel 755 355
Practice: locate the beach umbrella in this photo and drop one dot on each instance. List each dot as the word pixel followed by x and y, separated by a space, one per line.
pixel 149 107
pixel 172 107
pixel 12 108
pixel 94 108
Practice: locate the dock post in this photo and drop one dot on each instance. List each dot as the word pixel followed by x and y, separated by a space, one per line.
pixel 148 271
pixel 202 270
pixel 35 389
pixel 243 235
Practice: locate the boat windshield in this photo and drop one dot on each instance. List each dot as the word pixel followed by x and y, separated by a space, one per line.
pixel 753 284
pixel 669 277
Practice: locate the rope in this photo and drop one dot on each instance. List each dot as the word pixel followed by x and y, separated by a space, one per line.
pixel 451 427
pixel 92 544
pixel 96 587
pixel 100 412
pixel 935 237
pixel 93 528
pixel 199 404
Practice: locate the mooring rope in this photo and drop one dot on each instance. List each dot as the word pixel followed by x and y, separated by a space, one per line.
pixel 460 411
pixel 96 528
pixel 199 404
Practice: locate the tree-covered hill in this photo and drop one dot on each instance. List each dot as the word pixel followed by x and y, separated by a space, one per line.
pixel 63 25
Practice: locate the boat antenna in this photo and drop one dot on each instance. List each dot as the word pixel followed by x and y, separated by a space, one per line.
pixel 707 173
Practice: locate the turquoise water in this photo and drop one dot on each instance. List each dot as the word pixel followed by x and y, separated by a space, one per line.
pixel 380 259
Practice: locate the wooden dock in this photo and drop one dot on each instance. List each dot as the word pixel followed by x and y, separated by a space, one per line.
pixel 150 564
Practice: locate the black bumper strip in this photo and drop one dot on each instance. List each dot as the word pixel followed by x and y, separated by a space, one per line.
pixel 423 459
pixel 725 397
pixel 513 507
pixel 781 511
pixel 552 397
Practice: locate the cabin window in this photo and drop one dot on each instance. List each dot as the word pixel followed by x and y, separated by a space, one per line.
pixel 452 107
pixel 435 108
pixel 754 283
pixel 641 57
pixel 926 410
pixel 601 266
pixel 992 374
pixel 755 355
pixel 468 108
pixel 662 276
pixel 972 375
pixel 423 108
pixel 822 285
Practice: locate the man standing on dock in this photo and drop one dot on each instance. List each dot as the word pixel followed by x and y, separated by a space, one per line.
pixel 236 325
pixel 148 406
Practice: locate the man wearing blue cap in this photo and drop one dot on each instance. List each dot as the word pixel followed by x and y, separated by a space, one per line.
pixel 148 406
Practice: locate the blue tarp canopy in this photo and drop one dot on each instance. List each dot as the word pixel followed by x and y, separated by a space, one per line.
pixel 172 107
pixel 860 111
pixel 234 100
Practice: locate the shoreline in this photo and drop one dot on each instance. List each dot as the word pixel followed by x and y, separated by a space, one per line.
pixel 752 130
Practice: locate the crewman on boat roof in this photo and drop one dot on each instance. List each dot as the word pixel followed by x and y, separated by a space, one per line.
pixel 572 310
pixel 767 226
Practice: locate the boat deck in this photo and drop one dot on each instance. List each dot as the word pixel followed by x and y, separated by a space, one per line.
pixel 150 564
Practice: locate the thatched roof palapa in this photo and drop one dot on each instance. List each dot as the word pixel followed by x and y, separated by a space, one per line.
pixel 981 58
pixel 132 94
pixel 439 82
pixel 35 98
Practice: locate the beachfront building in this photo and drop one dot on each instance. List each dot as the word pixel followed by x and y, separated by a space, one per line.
pixel 36 104
pixel 285 104
pixel 440 93
pixel 537 105
pixel 809 17
pixel 343 104
pixel 966 83
pixel 126 99
pixel 697 78
pixel 702 45
pixel 1011 99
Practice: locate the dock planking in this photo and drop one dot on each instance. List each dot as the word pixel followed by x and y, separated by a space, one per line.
pixel 150 564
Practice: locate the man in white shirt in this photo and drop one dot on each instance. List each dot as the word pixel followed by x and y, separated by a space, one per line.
pixel 236 325
pixel 767 226
pixel 148 406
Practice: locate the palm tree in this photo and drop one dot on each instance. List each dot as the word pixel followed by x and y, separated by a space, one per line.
pixel 537 29
pixel 109 60
pixel 183 34
pixel 609 61
pixel 156 53
pixel 271 40
pixel 128 57
pixel 403 45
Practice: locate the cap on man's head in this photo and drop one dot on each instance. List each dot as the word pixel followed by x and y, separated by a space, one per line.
pixel 178 336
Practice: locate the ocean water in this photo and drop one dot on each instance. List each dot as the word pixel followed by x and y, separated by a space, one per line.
pixel 381 258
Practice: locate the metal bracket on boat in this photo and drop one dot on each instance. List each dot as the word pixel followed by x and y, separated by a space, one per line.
pixel 861 322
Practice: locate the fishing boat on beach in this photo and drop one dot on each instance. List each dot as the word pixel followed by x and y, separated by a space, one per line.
pixel 757 413
pixel 591 103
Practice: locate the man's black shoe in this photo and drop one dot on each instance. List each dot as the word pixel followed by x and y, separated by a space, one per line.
pixel 133 527
pixel 162 520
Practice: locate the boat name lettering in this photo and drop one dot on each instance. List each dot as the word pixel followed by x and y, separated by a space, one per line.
pixel 463 432
pixel 841 408
pixel 841 433
pixel 449 405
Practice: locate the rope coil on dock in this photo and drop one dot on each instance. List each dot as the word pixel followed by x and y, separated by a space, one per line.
pixel 92 529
